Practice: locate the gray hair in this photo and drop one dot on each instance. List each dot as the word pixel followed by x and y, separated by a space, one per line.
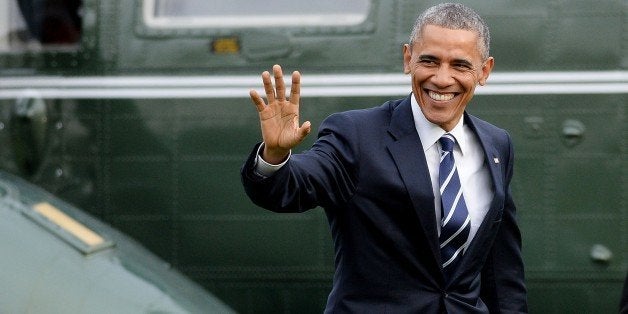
pixel 454 16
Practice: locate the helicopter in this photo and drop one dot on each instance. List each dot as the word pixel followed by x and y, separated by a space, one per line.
pixel 136 113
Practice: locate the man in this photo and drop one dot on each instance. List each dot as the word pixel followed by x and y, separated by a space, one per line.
pixel 406 239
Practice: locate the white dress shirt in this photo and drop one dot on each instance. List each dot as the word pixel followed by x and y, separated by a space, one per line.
pixel 470 161
pixel 469 157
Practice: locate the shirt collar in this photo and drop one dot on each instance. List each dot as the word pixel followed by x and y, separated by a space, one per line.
pixel 430 132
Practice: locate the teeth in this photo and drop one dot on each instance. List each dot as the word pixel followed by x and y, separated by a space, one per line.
pixel 440 97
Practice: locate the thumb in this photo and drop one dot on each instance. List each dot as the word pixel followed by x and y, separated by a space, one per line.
pixel 304 130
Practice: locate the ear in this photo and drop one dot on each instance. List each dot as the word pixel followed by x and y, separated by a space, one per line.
pixel 486 70
pixel 407 56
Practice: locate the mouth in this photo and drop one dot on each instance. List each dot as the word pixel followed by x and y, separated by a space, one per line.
pixel 440 96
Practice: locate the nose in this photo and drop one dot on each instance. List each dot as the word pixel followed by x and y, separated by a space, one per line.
pixel 443 76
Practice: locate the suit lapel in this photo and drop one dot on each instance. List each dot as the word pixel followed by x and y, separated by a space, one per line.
pixel 477 249
pixel 408 155
pixel 415 175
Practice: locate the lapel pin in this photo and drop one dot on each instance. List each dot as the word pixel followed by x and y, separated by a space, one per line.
pixel 496 160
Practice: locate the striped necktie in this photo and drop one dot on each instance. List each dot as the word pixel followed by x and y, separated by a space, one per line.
pixel 455 221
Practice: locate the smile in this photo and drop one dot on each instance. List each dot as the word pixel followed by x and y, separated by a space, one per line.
pixel 440 97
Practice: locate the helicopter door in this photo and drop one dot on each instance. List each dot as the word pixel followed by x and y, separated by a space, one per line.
pixel 232 36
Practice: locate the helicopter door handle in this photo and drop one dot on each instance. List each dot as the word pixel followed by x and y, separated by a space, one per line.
pixel 28 128
pixel 601 254
pixel 573 132
pixel 260 46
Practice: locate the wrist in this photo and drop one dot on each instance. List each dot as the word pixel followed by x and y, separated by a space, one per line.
pixel 274 156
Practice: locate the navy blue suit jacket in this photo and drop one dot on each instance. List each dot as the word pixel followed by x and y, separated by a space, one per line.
pixel 368 171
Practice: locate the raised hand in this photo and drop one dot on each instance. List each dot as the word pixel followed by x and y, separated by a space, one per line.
pixel 279 118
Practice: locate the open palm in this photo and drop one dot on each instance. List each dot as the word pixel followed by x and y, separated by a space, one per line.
pixel 279 118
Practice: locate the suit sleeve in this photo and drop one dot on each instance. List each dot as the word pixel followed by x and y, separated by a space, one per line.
pixel 324 175
pixel 503 285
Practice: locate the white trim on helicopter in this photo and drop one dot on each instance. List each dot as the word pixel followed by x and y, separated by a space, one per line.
pixel 313 85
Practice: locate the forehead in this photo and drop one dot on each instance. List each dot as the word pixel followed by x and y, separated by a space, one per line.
pixel 436 39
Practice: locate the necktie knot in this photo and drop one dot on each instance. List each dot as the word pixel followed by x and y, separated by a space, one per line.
pixel 447 142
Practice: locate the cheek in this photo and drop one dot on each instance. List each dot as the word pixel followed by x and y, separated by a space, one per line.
pixel 419 76
pixel 468 86
pixel 469 80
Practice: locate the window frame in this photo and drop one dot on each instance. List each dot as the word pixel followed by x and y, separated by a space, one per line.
pixel 237 22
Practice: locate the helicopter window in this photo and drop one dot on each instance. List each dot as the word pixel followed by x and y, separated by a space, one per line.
pixel 252 13
pixel 31 24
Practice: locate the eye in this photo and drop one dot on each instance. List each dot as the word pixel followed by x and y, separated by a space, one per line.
pixel 427 62
pixel 462 66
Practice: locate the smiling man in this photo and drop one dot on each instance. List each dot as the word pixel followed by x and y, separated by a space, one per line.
pixel 445 65
pixel 417 191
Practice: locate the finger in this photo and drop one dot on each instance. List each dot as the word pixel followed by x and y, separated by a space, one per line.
pixel 304 130
pixel 257 100
pixel 295 88
pixel 279 84
pixel 268 87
